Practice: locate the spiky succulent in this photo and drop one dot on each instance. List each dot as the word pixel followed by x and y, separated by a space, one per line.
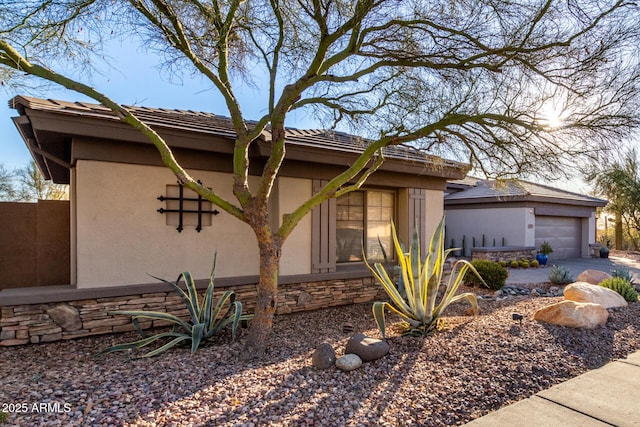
pixel 205 318
pixel 621 286
pixel 418 306
pixel 560 275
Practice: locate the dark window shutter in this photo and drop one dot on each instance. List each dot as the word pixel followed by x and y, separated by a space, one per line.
pixel 323 234
pixel 417 209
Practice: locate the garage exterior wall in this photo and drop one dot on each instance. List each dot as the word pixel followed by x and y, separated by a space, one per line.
pixel 512 224
pixel 523 226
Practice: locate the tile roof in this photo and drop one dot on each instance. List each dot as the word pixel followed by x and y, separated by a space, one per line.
pixel 488 190
pixel 210 123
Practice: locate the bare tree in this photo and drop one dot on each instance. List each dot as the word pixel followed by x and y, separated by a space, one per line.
pixel 7 187
pixel 482 80
pixel 27 184
pixel 32 186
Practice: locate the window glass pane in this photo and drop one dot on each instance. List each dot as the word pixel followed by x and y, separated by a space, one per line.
pixel 379 216
pixel 349 227
pixel 351 231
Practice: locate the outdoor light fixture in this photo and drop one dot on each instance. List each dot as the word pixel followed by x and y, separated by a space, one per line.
pixel 516 316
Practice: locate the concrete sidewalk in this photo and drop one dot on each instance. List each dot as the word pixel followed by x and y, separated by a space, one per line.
pixel 606 396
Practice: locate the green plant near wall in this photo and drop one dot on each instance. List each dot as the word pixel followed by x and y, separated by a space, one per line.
pixel 420 308
pixel 621 286
pixel 206 319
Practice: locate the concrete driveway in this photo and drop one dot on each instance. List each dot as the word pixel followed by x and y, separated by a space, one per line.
pixel 576 266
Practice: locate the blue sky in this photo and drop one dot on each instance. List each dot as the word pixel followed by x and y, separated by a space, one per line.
pixel 135 80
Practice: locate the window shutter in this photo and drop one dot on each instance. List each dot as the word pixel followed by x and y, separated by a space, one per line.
pixel 417 211
pixel 323 233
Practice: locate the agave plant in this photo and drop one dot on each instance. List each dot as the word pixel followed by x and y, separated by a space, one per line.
pixel 418 304
pixel 205 318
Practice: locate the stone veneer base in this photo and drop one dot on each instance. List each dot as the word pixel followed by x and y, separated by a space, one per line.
pixel 504 253
pixel 38 323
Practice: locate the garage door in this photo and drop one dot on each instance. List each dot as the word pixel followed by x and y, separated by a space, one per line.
pixel 563 234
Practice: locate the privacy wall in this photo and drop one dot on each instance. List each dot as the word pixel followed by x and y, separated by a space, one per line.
pixel 34 244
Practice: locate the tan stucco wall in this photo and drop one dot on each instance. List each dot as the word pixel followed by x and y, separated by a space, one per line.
pixel 510 223
pixel 120 239
pixel 296 252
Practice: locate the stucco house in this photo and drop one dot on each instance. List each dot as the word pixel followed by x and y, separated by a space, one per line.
pixel 521 214
pixel 130 218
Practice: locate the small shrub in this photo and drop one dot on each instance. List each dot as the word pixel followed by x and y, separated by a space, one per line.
pixel 621 286
pixel 515 264
pixel 560 275
pixel 493 274
pixel 534 263
pixel 503 264
pixel 524 264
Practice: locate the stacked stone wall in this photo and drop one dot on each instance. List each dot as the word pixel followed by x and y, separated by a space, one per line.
pixel 493 254
pixel 38 323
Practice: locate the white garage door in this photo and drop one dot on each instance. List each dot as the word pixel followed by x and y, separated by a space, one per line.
pixel 563 234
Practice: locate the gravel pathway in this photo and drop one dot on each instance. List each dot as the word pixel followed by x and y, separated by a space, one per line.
pixel 474 366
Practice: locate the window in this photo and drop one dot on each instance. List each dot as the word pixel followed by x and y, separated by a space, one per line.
pixel 364 217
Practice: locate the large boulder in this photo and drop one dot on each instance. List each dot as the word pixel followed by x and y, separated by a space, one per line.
pixel 366 348
pixel 324 357
pixel 573 314
pixel 592 276
pixel 65 316
pixel 585 292
pixel 348 362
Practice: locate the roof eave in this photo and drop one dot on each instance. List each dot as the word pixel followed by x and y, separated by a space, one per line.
pixel 43 115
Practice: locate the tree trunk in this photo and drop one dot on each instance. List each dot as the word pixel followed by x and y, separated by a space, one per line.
pixel 262 321
pixel 618 231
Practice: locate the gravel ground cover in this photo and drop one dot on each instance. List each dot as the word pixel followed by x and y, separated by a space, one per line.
pixel 474 366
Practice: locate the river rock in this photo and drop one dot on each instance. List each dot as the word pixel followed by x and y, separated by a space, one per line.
pixel 324 357
pixel 348 362
pixel 585 292
pixel 366 348
pixel 573 314
pixel 592 276
pixel 65 316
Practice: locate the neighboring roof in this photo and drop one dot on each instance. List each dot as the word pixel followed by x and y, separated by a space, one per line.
pixel 195 122
pixel 488 191
pixel 462 184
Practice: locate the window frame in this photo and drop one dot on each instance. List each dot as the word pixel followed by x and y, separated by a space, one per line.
pixel 394 214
